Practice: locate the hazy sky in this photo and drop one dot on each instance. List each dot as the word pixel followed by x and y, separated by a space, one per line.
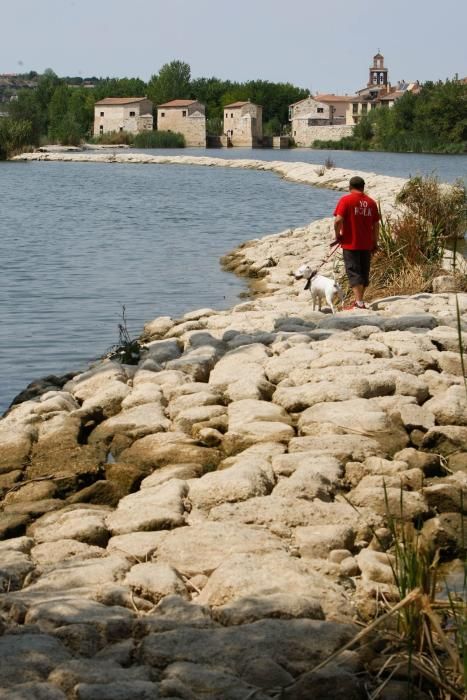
pixel 324 45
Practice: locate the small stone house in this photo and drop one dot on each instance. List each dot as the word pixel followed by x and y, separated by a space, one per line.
pixel 132 114
pixel 243 124
pixel 305 115
pixel 187 117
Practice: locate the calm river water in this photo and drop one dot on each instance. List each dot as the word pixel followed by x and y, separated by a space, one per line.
pixel 81 239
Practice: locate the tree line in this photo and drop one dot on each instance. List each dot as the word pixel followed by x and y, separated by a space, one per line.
pixel 61 110
pixel 431 121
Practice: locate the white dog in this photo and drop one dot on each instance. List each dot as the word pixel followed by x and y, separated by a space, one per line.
pixel 320 287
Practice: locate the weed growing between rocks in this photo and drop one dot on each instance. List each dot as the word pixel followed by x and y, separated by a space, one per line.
pixel 128 349
pixel 424 640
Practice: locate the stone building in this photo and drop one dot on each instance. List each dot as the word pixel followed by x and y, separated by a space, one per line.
pixel 337 106
pixel 187 117
pixel 133 114
pixel 243 124
pixel 304 115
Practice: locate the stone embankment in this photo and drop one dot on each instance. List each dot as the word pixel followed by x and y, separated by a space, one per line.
pixel 212 522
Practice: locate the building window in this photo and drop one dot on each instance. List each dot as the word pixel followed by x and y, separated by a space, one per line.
pixel 184 113
pixel 373 106
pixel 381 78
pixel 354 108
pixel 375 78
pixel 102 114
pixel 101 129
pixel 226 115
pixel 231 116
pixel 132 114
pixel 364 109
pixel 320 110
pixel 121 128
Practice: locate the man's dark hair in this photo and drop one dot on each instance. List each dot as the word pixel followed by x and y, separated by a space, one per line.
pixel 357 183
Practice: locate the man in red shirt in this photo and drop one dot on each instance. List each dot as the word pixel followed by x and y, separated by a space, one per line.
pixel 357 228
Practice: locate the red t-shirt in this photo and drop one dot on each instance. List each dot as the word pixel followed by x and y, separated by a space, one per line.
pixel 360 213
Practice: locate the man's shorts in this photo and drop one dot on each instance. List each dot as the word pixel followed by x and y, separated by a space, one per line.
pixel 357 266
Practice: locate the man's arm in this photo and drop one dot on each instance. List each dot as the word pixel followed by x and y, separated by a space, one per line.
pixel 375 234
pixel 338 226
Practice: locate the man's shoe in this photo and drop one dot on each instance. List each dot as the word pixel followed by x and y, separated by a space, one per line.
pixel 355 305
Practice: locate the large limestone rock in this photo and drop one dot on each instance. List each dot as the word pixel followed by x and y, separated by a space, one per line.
pixel 358 416
pixel 157 508
pixel 86 385
pixel 161 351
pixel 45 555
pixel 196 680
pixel 252 421
pixel 138 546
pixel 317 541
pixel 80 573
pixel 450 407
pixel 155 580
pixel 29 657
pixel 297 398
pixel 248 477
pixel 345 448
pixel 136 422
pixel 187 419
pixel 83 523
pixel 389 501
pixel 282 515
pixel 202 547
pixel 192 395
pixel 58 449
pixel 446 440
pixel 293 643
pixel 155 451
pixel 105 402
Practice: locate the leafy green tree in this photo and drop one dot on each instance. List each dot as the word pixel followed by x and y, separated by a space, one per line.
pixel 171 83
pixel 119 87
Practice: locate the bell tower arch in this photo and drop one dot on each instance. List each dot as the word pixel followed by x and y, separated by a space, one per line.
pixel 378 72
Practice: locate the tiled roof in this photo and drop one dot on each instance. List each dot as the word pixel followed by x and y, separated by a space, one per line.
pixel 392 95
pixel 239 104
pixel 120 100
pixel 334 98
pixel 178 103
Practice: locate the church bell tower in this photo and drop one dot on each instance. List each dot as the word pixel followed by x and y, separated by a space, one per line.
pixel 378 73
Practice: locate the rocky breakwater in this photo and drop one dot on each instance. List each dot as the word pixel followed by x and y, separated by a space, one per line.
pixel 212 522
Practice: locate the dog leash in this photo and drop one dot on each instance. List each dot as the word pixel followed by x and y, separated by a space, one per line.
pixel 334 245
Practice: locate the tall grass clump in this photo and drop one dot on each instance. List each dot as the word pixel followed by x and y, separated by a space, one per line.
pixel 114 138
pixel 159 139
pixel 429 640
pixel 412 242
pixel 422 638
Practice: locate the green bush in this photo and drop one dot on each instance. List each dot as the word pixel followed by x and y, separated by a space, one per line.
pixel 114 138
pixel 159 139
pixel 15 136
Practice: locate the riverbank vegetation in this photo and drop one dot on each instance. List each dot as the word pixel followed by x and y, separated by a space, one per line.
pixel 413 241
pixel 432 121
pixel 145 139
